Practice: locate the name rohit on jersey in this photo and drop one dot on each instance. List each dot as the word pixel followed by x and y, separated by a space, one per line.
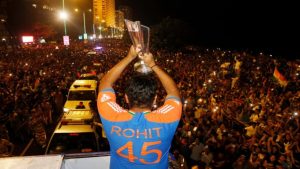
pixel 130 133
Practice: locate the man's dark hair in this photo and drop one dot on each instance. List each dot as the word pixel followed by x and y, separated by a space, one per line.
pixel 141 91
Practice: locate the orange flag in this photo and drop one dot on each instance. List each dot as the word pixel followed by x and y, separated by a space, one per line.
pixel 280 78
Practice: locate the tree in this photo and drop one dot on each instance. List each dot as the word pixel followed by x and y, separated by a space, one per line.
pixel 41 30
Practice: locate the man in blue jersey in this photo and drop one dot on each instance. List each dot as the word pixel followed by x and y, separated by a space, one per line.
pixel 139 137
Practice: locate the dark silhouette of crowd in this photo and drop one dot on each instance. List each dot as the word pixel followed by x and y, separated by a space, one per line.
pixel 235 113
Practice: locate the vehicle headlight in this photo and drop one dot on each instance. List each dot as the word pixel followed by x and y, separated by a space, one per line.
pixel 66 110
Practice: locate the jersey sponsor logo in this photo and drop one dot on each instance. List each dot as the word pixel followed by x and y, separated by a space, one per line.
pixel 105 97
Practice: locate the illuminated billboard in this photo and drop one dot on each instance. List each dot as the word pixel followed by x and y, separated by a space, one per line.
pixel 27 39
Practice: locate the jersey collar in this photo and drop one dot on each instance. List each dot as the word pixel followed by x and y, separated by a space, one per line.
pixel 133 113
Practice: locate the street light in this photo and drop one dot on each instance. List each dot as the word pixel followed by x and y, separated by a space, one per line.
pixel 63 15
pixel 84 24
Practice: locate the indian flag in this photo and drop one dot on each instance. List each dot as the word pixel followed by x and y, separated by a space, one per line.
pixel 280 78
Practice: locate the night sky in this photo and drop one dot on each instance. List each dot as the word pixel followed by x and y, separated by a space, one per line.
pixel 269 26
pixel 253 24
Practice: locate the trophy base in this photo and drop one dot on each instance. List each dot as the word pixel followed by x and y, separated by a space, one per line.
pixel 142 68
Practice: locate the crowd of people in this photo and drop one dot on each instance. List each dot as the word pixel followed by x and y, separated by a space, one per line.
pixel 235 113
pixel 34 86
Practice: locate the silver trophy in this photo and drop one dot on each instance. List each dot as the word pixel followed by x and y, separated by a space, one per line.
pixel 140 36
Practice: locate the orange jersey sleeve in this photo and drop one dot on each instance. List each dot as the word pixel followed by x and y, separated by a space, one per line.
pixel 168 113
pixel 109 109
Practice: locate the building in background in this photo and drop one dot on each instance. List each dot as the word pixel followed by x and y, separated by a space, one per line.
pixel 119 20
pixel 104 13
pixel 127 11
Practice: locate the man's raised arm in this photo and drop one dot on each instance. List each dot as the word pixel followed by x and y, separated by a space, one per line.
pixel 114 73
pixel 167 82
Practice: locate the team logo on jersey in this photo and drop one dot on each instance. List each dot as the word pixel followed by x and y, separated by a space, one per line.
pixel 105 97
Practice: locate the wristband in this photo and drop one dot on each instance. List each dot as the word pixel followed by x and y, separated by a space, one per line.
pixel 153 66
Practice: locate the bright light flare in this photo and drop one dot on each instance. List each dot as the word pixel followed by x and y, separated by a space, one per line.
pixel 98 48
pixel 63 15
pixel 27 39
